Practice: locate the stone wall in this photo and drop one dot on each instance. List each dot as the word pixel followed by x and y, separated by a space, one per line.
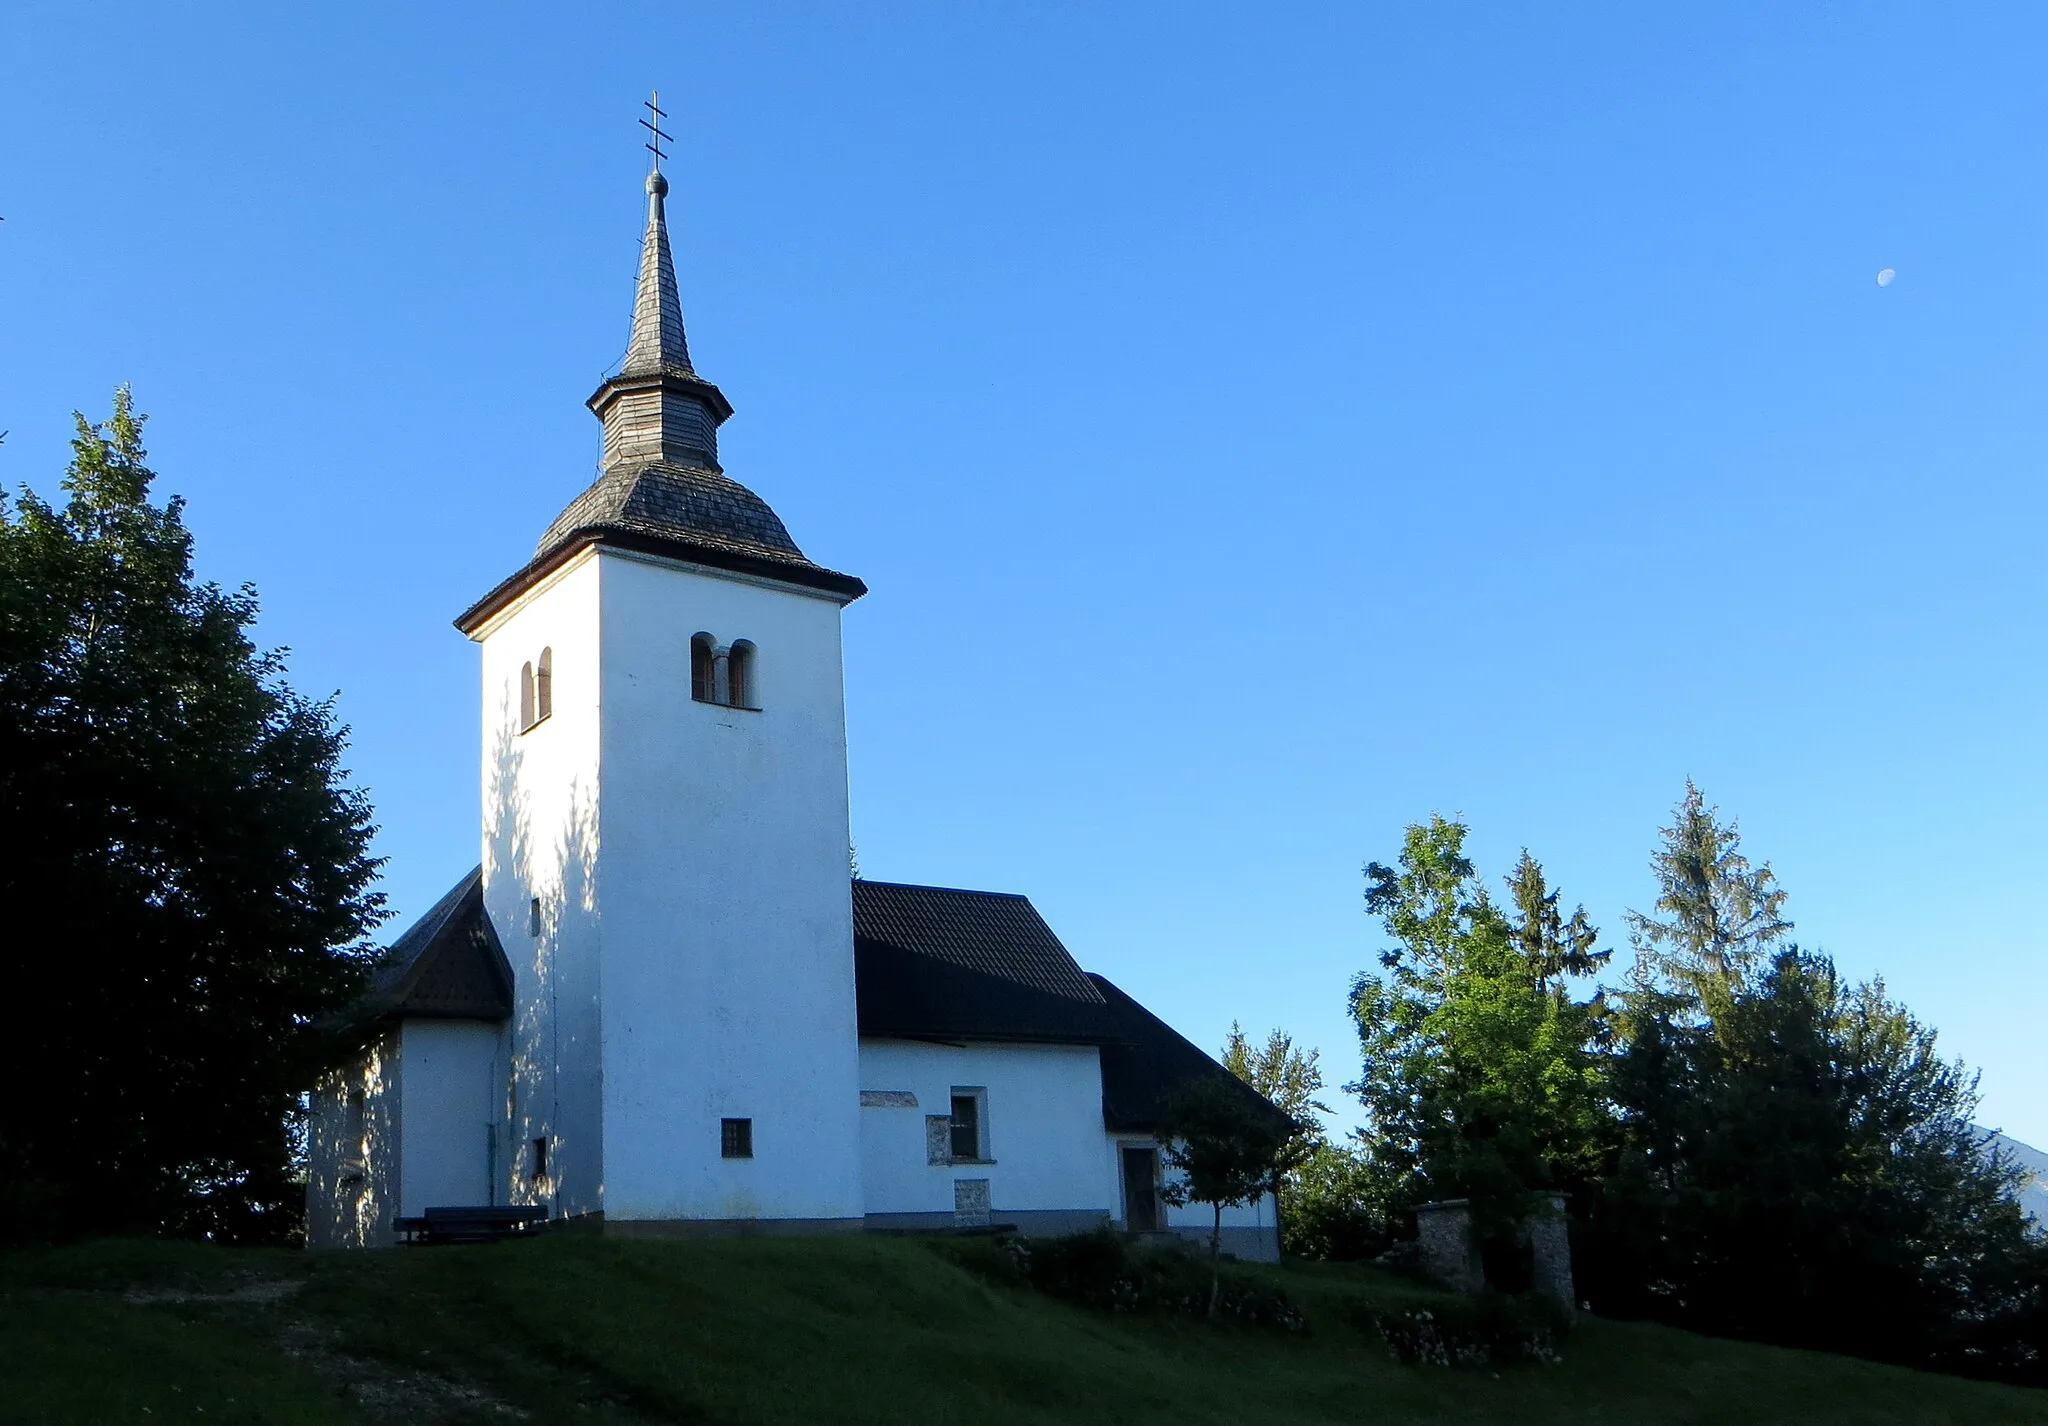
pixel 1450 1250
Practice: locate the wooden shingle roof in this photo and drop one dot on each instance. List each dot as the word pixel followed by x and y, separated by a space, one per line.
pixel 449 965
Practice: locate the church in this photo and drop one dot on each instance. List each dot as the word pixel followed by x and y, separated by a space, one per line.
pixel 662 1004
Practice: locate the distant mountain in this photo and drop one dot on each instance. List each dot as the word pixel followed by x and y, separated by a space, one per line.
pixel 2034 1197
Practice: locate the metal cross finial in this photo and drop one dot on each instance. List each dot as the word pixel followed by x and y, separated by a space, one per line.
pixel 653 126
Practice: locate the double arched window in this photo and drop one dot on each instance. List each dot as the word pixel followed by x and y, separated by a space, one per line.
pixel 723 675
pixel 536 690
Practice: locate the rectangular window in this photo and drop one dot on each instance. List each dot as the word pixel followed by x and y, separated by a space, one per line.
pixel 736 1138
pixel 533 918
pixel 968 1141
pixel 540 1158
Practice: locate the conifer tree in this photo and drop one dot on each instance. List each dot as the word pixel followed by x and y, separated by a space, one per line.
pixel 1716 917
pixel 1288 1077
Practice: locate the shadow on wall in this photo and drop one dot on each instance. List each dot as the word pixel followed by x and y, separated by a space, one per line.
pixel 540 855
pixel 539 852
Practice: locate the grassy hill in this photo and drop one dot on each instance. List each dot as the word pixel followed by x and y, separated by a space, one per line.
pixel 864 1329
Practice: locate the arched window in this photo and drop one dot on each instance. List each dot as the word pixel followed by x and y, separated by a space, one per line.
pixel 739 675
pixel 703 669
pixel 525 697
pixel 544 685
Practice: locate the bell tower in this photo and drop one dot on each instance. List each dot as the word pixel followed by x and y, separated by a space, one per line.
pixel 665 825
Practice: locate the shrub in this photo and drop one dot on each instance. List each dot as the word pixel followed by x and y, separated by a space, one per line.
pixel 1491 1328
pixel 1105 1271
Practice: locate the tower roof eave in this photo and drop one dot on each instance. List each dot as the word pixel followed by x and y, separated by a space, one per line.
pixel 679 380
pixel 799 572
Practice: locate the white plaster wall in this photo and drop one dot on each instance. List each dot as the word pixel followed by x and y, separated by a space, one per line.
pixel 727 917
pixel 351 1184
pixel 452 1092
pixel 1189 1218
pixel 1043 1127
pixel 540 792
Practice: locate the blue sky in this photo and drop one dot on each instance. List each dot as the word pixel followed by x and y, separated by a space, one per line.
pixel 1258 431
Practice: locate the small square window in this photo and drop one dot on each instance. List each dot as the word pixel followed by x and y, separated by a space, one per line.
pixel 736 1138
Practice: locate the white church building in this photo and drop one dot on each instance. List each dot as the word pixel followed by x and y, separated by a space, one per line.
pixel 661 1005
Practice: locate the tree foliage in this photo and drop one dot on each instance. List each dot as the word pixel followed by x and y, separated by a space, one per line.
pixel 1225 1147
pixel 1818 1180
pixel 1716 917
pixel 1333 1205
pixel 179 826
pixel 1795 1161
pixel 1480 1078
pixel 1288 1077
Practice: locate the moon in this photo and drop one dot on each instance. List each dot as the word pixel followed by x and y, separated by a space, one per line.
pixel 1885 276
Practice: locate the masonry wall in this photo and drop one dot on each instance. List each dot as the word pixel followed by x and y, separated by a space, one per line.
pixel 1043 1128
pixel 352 1161
pixel 540 789
pixel 727 983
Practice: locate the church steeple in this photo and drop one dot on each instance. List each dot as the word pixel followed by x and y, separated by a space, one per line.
pixel 657 408
pixel 661 490
pixel 658 341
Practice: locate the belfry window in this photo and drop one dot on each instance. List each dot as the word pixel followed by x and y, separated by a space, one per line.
pixel 703 669
pixel 739 675
pixel 725 676
pixel 536 690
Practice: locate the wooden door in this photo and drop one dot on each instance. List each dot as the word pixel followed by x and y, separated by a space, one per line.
pixel 1141 1190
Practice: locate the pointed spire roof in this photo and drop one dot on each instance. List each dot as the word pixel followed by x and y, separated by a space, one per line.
pixel 657 408
pixel 658 342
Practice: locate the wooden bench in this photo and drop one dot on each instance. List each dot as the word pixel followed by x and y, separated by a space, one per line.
pixel 469 1225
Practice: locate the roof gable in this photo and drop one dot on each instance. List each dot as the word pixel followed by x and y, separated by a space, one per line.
pixel 450 964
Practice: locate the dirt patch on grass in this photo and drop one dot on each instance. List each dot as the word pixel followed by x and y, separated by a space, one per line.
pixel 383 1391
pixel 261 1292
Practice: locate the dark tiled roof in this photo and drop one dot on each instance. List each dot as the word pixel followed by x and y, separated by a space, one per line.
pixel 1148 1061
pixel 449 965
pixel 933 963
pixel 681 511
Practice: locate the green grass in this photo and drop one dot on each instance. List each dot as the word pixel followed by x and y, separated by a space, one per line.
pixel 808 1330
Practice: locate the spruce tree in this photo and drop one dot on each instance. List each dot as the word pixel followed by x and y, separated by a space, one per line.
pixel 1716 917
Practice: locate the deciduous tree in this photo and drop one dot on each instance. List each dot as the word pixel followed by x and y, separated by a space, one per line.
pixel 1479 1076
pixel 182 838
pixel 1226 1148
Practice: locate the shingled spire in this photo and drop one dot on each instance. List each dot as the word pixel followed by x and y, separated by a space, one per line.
pixel 658 342
pixel 657 408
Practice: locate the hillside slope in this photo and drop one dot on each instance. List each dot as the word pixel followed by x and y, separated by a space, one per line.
pixel 862 1329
